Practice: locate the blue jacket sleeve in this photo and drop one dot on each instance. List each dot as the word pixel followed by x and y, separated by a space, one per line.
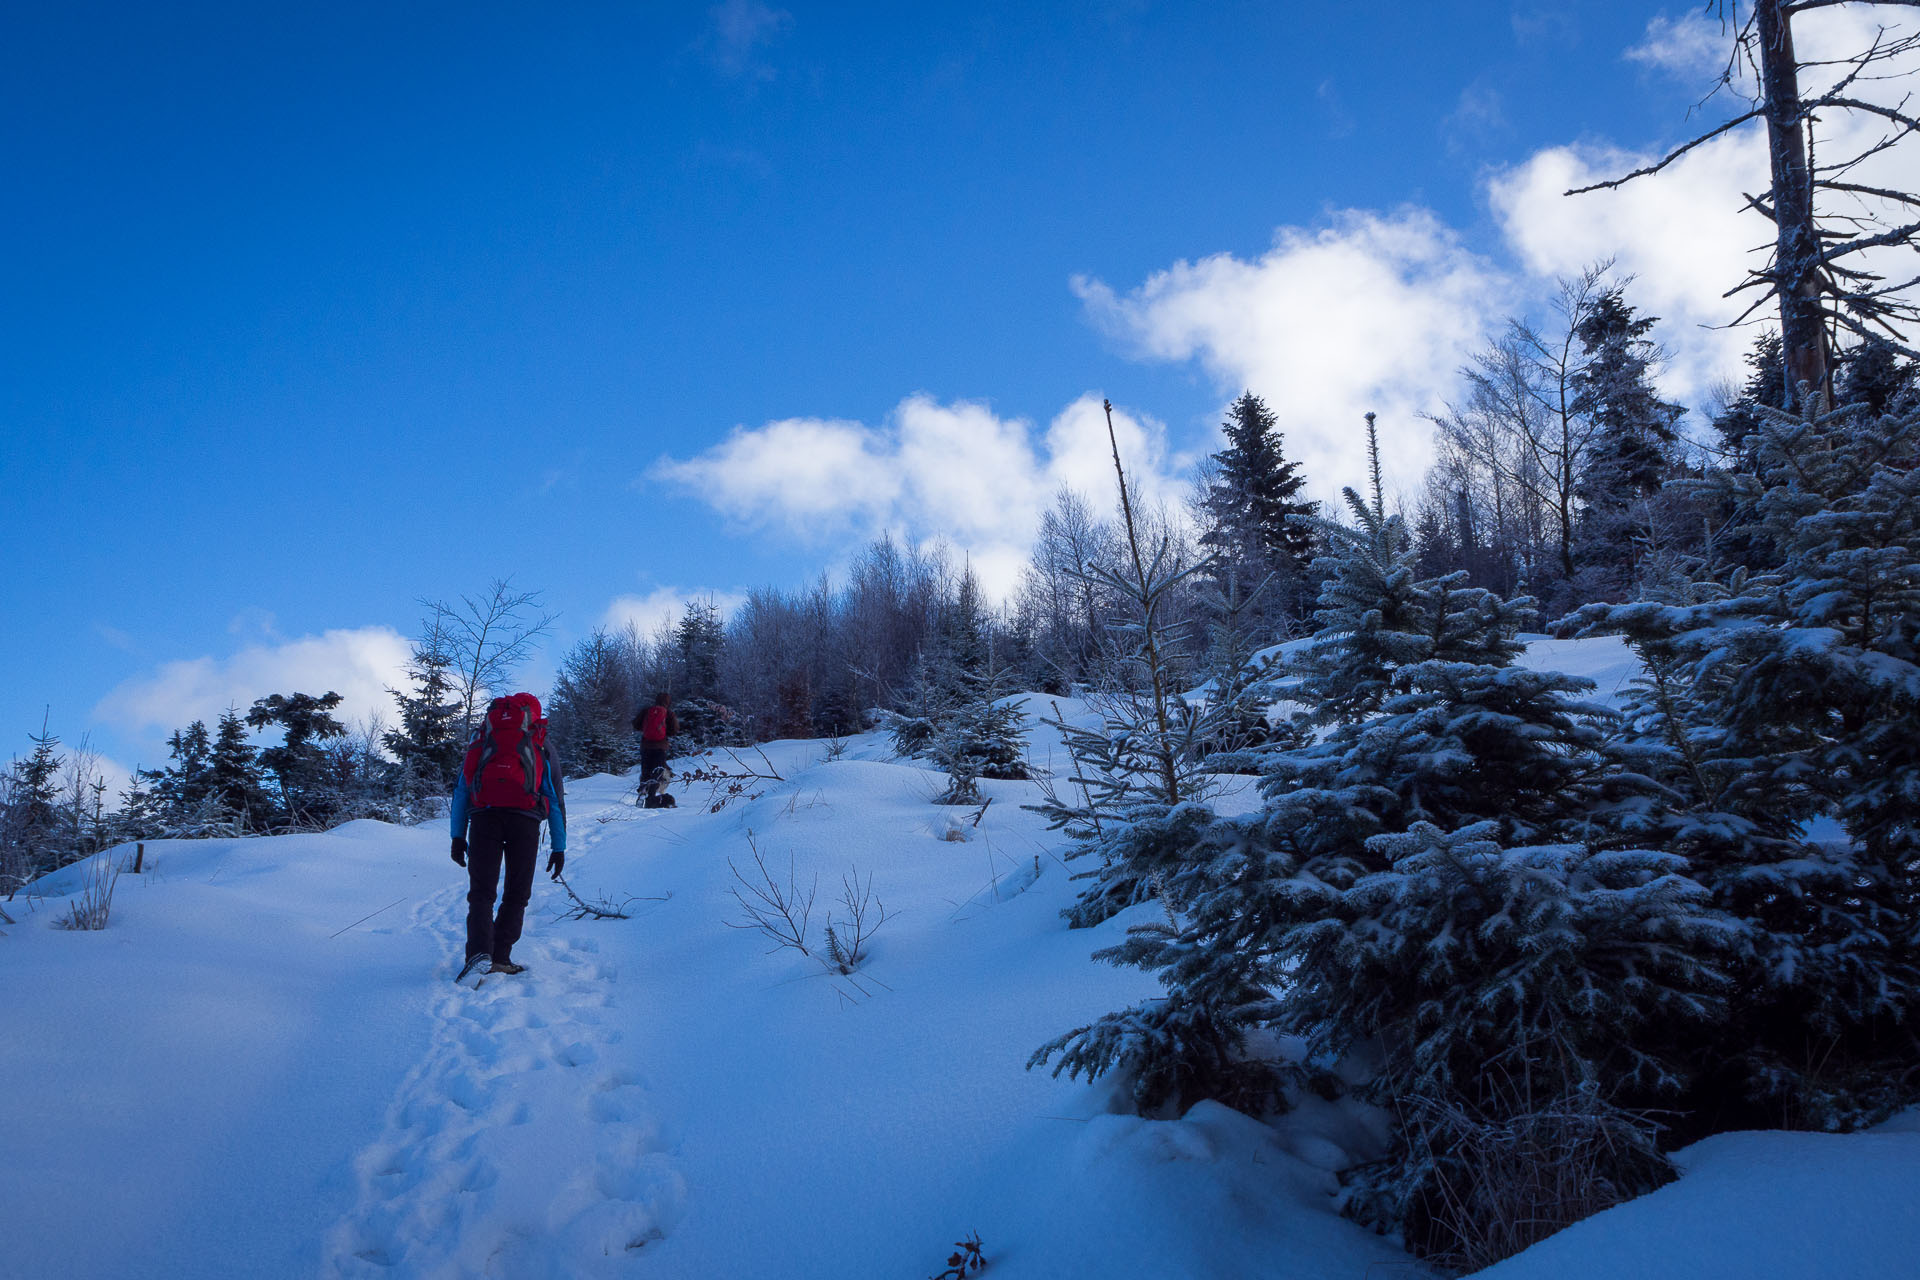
pixel 462 808
pixel 556 807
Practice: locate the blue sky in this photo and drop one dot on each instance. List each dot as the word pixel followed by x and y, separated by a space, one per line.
pixel 317 310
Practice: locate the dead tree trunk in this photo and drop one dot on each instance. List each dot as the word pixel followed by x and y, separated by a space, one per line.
pixel 1796 265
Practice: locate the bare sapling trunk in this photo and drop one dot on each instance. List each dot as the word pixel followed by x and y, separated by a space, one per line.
pixel 1163 744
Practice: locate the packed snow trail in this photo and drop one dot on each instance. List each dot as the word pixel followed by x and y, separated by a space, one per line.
pixel 513 1149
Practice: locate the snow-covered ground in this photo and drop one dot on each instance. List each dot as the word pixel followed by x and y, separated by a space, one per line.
pixel 261 1069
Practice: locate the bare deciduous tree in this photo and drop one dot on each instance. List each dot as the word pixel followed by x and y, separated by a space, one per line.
pixel 1521 425
pixel 487 637
pixel 1830 218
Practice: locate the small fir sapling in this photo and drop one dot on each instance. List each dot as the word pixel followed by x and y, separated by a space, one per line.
pixel 1238 687
pixel 426 745
pixel 983 737
pixel 1139 769
pixel 930 698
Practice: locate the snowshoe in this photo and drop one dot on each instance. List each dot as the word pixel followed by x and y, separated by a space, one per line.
pixel 476 968
pixel 508 966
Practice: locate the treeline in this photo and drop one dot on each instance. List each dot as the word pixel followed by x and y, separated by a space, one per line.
pixel 832 658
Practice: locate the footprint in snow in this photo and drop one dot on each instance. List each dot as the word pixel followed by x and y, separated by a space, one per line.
pixel 463 1179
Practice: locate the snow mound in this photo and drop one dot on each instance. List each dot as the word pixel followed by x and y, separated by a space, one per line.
pixel 1754 1206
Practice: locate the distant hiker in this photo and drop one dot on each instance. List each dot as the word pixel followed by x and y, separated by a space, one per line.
pixel 655 724
pixel 508 783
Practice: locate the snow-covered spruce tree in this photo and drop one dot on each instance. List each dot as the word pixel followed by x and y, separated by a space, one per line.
pixel 1258 527
pixel 592 708
pixel 142 814
pixel 30 835
pixel 182 785
pixel 983 737
pixel 426 745
pixel 1512 993
pixel 1236 690
pixel 1440 879
pixel 234 779
pixel 1776 697
pixel 931 696
pixel 1630 454
pixel 298 764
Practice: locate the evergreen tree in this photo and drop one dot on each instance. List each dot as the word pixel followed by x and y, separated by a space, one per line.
pixel 183 785
pixel 967 633
pixel 234 780
pixel 1766 386
pixel 427 747
pixel 699 640
pixel 1236 688
pixel 1137 773
pixel 142 814
pixel 1786 695
pixel 931 697
pixel 31 837
pixel 592 709
pixel 1873 375
pixel 984 736
pixel 1258 525
pixel 1448 877
pixel 298 764
pixel 1630 455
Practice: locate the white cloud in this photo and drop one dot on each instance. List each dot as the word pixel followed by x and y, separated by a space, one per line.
pixel 663 606
pixel 1684 233
pixel 956 471
pixel 820 474
pixel 1372 312
pixel 1378 311
pixel 1692 46
pixel 1679 233
pixel 359 664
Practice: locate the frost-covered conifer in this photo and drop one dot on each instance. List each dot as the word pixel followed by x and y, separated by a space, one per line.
pixel 983 737
pixel 1501 985
pixel 234 779
pixel 591 709
pixel 30 829
pixel 1137 775
pixel 1789 695
pixel 426 746
pixel 1446 876
pixel 1238 685
pixel 932 695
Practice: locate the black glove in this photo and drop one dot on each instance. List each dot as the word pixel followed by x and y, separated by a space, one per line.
pixel 459 851
pixel 555 861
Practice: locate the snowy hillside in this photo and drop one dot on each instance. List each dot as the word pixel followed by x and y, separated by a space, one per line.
pixel 260 1068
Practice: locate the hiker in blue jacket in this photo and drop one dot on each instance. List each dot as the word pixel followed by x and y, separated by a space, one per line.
pixel 508 784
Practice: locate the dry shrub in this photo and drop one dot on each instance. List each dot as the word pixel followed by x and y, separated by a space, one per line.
pixel 1494 1182
pixel 94 902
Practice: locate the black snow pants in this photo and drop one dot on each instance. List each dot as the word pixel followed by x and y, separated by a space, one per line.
pixel 497 837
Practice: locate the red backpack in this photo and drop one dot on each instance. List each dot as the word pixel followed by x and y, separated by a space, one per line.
pixel 506 767
pixel 653 724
